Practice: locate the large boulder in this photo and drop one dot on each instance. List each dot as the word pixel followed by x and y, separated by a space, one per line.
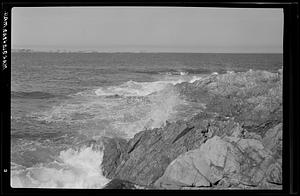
pixel 227 162
pixel 150 152
pixel 193 167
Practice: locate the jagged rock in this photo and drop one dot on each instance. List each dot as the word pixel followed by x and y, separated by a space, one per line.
pixel 193 93
pixel 150 152
pixel 119 184
pixel 183 172
pixel 193 167
pixel 229 162
pixel 273 139
pixel 252 97
pixel 114 152
pixel 239 129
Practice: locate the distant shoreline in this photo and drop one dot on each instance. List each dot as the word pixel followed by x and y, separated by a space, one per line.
pixel 143 52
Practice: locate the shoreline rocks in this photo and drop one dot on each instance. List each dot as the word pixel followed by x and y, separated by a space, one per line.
pixel 113 153
pixel 235 142
pixel 120 184
pixel 229 162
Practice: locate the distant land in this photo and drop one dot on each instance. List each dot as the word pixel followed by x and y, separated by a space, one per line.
pixel 28 50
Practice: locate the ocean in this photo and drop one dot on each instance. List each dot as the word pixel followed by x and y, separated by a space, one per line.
pixel 62 101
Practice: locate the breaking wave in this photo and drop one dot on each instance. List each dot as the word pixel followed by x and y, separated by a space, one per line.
pixel 132 88
pixel 176 72
pixel 71 169
pixel 119 110
pixel 139 106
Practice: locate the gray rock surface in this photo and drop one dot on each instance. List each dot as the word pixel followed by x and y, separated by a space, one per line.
pixel 114 150
pixel 235 142
pixel 230 162
pixel 120 184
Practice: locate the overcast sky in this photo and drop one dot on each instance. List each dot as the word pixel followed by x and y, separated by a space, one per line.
pixel 149 29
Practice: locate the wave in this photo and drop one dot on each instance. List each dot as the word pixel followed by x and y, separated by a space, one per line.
pixel 106 116
pixel 122 110
pixel 143 105
pixel 73 168
pixel 178 72
pixel 132 88
pixel 174 73
pixel 32 95
pixel 118 110
pixel 183 72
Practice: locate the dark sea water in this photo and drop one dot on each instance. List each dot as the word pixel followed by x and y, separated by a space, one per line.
pixel 60 101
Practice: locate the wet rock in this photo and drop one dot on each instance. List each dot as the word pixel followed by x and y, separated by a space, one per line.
pixel 153 153
pixel 273 139
pixel 150 152
pixel 234 142
pixel 115 150
pixel 227 162
pixel 274 173
pixel 252 97
pixel 193 93
pixel 182 172
pixel 120 184
pixel 193 167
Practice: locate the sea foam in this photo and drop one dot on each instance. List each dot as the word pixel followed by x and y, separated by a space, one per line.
pixel 138 106
pixel 132 88
pixel 73 169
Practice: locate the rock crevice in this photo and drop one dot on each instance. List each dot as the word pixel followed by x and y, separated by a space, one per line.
pixel 234 142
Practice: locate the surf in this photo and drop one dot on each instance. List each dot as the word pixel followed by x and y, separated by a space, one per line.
pixel 73 168
pixel 133 88
pixel 123 109
pixel 97 112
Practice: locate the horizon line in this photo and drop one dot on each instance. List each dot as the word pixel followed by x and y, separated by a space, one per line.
pixel 29 50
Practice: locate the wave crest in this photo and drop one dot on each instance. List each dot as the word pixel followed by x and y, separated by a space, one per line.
pixel 72 169
pixel 120 110
pixel 132 88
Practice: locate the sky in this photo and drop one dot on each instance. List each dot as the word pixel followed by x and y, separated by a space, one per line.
pixel 148 29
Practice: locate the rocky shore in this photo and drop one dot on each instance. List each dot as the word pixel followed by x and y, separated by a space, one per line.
pixel 235 142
